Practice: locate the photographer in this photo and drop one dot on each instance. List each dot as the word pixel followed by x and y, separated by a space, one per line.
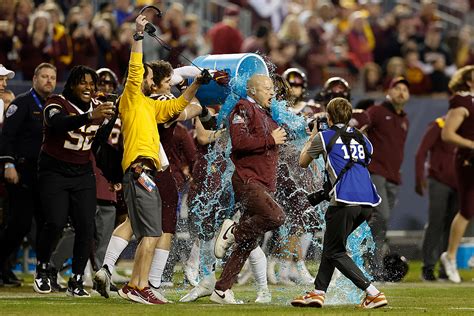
pixel 347 154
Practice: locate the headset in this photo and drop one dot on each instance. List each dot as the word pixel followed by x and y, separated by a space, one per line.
pixel 150 28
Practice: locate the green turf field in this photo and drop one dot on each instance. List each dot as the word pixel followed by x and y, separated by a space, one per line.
pixel 408 297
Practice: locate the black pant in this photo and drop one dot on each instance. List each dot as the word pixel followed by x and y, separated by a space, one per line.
pixel 62 196
pixel 341 221
pixel 23 205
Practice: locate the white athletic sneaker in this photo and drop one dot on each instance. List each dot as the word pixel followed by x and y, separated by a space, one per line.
pixel 224 297
pixel 263 296
pixel 376 301
pixel 225 238
pixel 451 268
pixel 204 288
pixel 102 281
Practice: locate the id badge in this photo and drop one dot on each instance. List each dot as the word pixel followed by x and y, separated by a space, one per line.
pixel 146 182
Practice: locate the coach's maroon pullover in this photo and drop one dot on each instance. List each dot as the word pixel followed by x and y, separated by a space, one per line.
pixel 254 152
pixel 441 161
pixel 387 132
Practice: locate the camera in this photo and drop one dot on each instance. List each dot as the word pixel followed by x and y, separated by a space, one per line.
pixel 322 123
pixel 319 196
pixel 111 97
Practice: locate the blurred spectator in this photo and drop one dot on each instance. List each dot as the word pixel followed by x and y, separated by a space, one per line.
pixel 360 39
pixel 105 38
pixel 427 14
pixel 225 36
pixel 6 41
pixel 256 42
pixel 83 40
pixel 172 29
pixel 273 11
pixel 192 42
pixel 315 57
pixel 420 83
pixel 293 31
pixel 7 96
pixel 372 77
pixel 23 14
pixel 395 67
pixel 61 50
pixel 123 10
pixel 121 55
pixel 465 48
pixel 37 46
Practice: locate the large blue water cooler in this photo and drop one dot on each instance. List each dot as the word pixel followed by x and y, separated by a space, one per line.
pixel 240 67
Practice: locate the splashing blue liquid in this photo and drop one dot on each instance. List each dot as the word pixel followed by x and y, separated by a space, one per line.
pixel 342 291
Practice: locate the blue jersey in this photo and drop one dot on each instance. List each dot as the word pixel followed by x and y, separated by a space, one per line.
pixel 355 186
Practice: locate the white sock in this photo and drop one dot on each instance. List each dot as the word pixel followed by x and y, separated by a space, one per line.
pixel 207 257
pixel 114 250
pixel 258 264
pixel 305 241
pixel 285 268
pixel 372 290
pixel 158 266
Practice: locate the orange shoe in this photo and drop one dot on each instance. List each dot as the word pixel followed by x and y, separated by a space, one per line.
pixel 311 299
pixel 376 301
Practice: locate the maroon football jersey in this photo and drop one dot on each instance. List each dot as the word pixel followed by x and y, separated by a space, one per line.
pixel 72 146
pixel 466 130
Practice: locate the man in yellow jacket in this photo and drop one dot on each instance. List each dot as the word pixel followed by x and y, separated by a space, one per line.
pixel 140 116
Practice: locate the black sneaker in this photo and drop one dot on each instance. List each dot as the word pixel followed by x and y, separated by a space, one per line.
pixel 42 283
pixel 427 274
pixel 75 287
pixel 55 286
pixel 113 288
pixel 10 279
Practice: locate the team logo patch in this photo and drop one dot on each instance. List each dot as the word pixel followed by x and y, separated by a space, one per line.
pixel 11 110
pixel 237 119
pixel 53 112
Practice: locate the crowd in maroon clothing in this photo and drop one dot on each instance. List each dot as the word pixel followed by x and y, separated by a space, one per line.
pixel 325 39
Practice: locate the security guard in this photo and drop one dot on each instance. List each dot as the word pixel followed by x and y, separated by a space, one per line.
pixel 20 145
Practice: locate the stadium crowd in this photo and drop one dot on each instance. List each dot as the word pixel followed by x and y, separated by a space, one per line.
pixel 318 52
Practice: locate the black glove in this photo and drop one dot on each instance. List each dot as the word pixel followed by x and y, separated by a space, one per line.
pixel 205 77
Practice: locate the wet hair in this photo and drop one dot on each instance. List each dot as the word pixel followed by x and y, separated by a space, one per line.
pixel 76 75
pixel 282 89
pixel 161 69
pixel 339 110
pixel 459 79
pixel 44 65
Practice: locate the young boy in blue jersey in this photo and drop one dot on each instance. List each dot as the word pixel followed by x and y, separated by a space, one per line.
pixel 352 194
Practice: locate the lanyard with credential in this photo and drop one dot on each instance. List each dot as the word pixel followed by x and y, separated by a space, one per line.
pixel 37 100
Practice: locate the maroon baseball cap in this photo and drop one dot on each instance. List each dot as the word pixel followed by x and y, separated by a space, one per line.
pixel 398 80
